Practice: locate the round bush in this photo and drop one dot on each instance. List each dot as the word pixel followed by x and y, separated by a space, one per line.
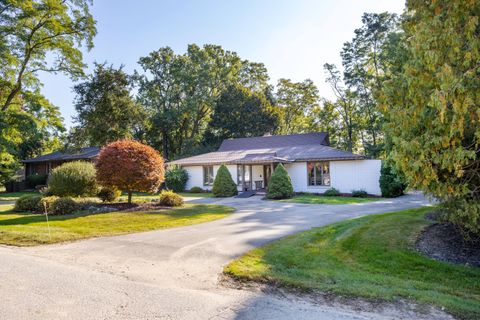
pixel 28 202
pixel 279 185
pixel 109 194
pixel 176 178
pixel 76 179
pixel 359 193
pixel 223 185
pixel 62 206
pixel 170 199
pixel 196 190
pixel 391 184
pixel 332 192
pixel 46 202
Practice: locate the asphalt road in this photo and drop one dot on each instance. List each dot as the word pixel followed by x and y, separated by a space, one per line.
pixel 174 273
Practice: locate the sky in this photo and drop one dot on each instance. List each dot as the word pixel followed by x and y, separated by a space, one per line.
pixel 293 38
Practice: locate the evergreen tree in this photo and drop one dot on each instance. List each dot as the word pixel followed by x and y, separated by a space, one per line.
pixel 279 185
pixel 223 185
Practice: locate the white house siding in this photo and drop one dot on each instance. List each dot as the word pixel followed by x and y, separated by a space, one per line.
pixel 195 175
pixel 355 175
pixel 344 175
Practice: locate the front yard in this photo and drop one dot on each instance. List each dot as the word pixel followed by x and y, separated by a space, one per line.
pixel 318 199
pixel 24 229
pixel 372 257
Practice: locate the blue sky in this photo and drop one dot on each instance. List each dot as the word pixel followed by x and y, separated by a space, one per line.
pixel 293 38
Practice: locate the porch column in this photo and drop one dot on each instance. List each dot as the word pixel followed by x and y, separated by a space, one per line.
pixel 251 178
pixel 243 177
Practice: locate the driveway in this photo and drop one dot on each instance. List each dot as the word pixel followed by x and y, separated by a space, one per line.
pixel 174 273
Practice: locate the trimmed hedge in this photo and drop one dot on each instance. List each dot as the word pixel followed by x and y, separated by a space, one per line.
pixel 46 202
pixel 76 179
pixel 170 199
pixel 176 178
pixel 280 184
pixel 62 206
pixel 29 202
pixel 223 185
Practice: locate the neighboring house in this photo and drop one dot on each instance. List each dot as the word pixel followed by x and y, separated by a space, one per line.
pixel 312 164
pixel 43 165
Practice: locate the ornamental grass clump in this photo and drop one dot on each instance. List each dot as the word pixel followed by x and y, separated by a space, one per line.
pixel 170 199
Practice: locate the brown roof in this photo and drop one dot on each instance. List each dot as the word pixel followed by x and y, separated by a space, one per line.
pixel 82 154
pixel 287 148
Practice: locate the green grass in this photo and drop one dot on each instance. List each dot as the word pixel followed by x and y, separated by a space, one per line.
pixel 317 199
pixel 371 257
pixel 12 196
pixel 196 195
pixel 31 229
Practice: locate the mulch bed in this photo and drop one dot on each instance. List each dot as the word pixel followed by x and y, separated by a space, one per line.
pixel 444 242
pixel 124 206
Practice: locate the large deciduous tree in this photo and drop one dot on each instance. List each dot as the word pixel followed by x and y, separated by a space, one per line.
pixel 36 36
pixel 180 91
pixel 431 105
pixel 296 100
pixel 40 35
pixel 130 166
pixel 106 110
pixel 238 113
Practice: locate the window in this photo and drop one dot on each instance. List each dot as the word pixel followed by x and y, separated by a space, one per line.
pixel 318 173
pixel 207 175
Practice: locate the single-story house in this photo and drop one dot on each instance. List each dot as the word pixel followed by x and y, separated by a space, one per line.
pixel 313 165
pixel 43 165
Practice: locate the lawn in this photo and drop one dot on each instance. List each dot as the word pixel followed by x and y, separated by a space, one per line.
pixel 12 196
pixel 371 257
pixel 136 197
pixel 31 229
pixel 317 199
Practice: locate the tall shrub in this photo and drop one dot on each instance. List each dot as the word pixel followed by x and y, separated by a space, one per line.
pixel 223 185
pixel 279 185
pixel 176 178
pixel 391 184
pixel 431 104
pixel 74 179
pixel 130 166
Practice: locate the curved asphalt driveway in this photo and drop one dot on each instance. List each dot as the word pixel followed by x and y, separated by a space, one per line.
pixel 170 274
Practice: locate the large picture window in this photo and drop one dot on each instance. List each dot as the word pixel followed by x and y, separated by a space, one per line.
pixel 207 175
pixel 318 173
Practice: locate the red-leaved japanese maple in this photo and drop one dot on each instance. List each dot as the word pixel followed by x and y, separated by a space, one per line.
pixel 130 166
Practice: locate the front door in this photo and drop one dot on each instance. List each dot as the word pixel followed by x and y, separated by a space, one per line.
pixel 267 172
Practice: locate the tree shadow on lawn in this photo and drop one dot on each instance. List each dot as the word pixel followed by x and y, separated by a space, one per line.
pixel 178 212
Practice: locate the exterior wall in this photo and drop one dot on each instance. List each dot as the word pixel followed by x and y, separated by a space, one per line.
pixel 355 175
pixel 344 175
pixel 195 176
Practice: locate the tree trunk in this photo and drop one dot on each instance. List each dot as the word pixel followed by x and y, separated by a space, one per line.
pixel 129 197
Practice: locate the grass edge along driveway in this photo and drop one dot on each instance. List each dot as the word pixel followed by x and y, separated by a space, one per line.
pixel 373 257
pixel 22 229
pixel 319 199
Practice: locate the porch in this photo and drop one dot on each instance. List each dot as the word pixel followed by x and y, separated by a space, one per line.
pixel 254 171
